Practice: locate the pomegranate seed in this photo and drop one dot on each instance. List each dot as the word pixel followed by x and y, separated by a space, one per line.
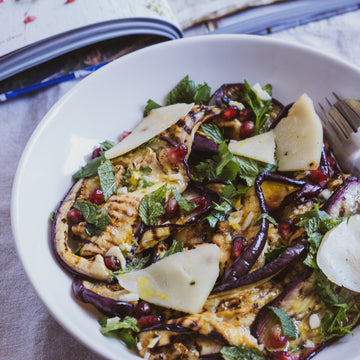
pixel 286 228
pixel 69 1
pixel 142 309
pixel 230 113
pixel 330 160
pixel 318 177
pixel 75 216
pixel 177 154
pixel 276 339
pixel 202 204
pixel 247 129
pixel 124 135
pixel 238 246
pixel 97 152
pixel 96 196
pixel 112 262
pixel 172 209
pixel 282 355
pixel 29 19
pixel 147 321
pixel 244 114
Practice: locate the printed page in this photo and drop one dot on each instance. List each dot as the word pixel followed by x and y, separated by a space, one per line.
pixel 24 22
pixel 193 12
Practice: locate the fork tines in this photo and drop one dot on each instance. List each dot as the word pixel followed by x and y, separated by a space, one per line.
pixel 342 117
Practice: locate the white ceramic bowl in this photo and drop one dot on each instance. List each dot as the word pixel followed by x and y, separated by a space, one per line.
pixel 112 100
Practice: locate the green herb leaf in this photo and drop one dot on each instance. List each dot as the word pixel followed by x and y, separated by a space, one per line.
pixel 264 216
pixel 218 213
pixel 136 264
pixel 316 223
pixel 261 108
pixel 152 206
pixel 186 91
pixel 107 179
pixel 107 145
pixel 89 169
pixel 202 94
pixel 150 105
pixel 93 215
pixel 52 216
pixel 145 170
pixel 174 248
pixel 124 329
pixel 144 183
pixel 242 352
pixel 274 253
pixel 288 327
pixel 186 205
pixel 213 131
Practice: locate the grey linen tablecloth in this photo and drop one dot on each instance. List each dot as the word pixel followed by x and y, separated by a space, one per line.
pixel 27 330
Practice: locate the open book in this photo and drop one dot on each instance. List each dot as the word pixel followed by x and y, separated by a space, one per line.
pixel 58 40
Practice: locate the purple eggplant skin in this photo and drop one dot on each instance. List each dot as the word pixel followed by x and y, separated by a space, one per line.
pixel 343 198
pixel 245 261
pixel 282 114
pixel 259 324
pixel 107 306
pixel 270 269
pixel 204 144
pixel 229 92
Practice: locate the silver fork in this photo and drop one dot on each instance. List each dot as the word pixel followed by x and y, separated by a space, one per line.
pixel 342 129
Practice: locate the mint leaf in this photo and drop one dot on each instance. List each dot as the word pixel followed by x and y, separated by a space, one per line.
pixel 265 216
pixel 288 327
pixel 186 91
pixel 124 329
pixel 112 324
pixel 150 105
pixel 145 183
pixel 174 248
pixel 218 213
pixel 274 253
pixel 129 181
pixel 107 145
pixel 213 131
pixel 89 169
pixel 316 223
pixel 93 215
pixel 107 179
pixel 145 170
pixel 152 206
pixel 261 108
pixel 187 206
pixel 202 94
pixel 242 352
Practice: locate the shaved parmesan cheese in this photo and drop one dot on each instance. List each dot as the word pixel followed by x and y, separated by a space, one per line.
pixel 157 121
pixel 339 254
pixel 260 147
pixel 299 137
pixel 182 281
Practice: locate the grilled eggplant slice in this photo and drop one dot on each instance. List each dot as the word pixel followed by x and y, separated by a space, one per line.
pixel 123 208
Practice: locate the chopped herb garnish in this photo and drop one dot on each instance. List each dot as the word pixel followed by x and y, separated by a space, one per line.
pixel 218 213
pixel 107 179
pixel 316 223
pixel 107 145
pixel 275 253
pixel 186 205
pixel 288 327
pixel 52 216
pixel 213 131
pixel 242 352
pixel 174 248
pixel 150 105
pixel 124 329
pixel 152 206
pixel 144 183
pixel 145 170
pixel 135 264
pixel 90 168
pixel 96 218
pixel 265 216
pixel 261 108
pixel 186 91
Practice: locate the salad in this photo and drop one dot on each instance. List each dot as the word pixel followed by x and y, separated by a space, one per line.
pixel 220 227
